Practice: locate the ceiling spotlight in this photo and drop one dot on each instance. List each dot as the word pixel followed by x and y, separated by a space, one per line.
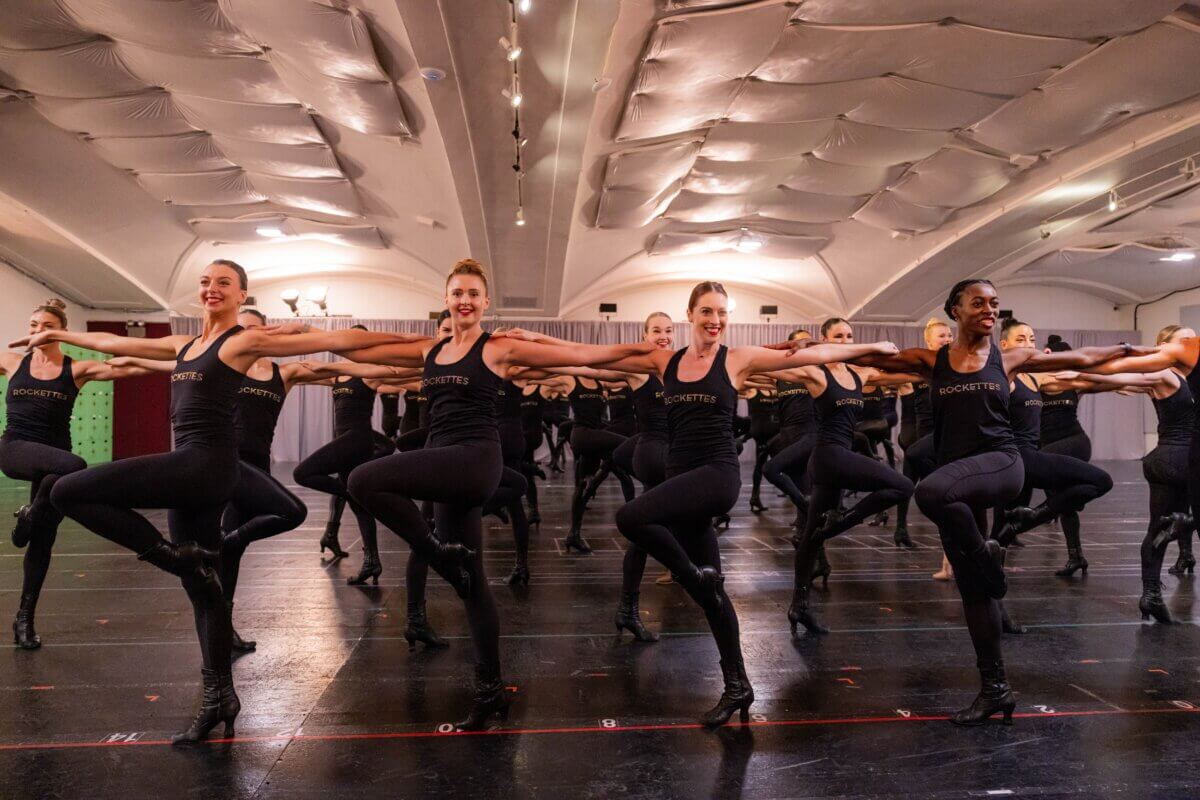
pixel 524 5
pixel 1114 200
pixel 270 232
pixel 292 298
pixel 520 217
pixel 317 294
pixel 1183 255
pixel 511 44
pixel 513 92
pixel 522 142
pixel 747 242
pixel 432 73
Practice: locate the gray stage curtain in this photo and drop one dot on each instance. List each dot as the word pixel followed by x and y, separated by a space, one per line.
pixel 1114 423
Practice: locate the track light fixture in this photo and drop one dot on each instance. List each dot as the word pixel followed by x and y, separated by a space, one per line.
pixel 292 298
pixel 520 217
pixel 511 44
pixel 1114 200
pixel 524 6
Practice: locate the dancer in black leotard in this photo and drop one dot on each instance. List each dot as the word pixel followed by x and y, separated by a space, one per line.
pixel 593 446
pixel 1070 483
pixel 835 467
pixel 460 468
pixel 980 467
pixel 196 479
pixel 674 521
pixel 1166 470
pixel 1061 432
pixel 763 405
pixel 917 442
pixel 619 402
pixel 556 418
pixel 533 403
pixel 36 447
pixel 787 469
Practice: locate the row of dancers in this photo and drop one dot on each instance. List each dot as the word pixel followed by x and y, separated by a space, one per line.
pixel 973 445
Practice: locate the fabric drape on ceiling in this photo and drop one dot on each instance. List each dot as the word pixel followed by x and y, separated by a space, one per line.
pixel 1114 422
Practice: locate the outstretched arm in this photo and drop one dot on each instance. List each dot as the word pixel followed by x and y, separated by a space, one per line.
pixel 1094 384
pixel 511 351
pixel 748 360
pixel 118 367
pixel 914 360
pixel 1184 354
pixel 357 370
pixel 165 348
pixel 260 343
pixel 1028 359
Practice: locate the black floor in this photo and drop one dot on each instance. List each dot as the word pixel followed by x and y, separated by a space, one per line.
pixel 335 705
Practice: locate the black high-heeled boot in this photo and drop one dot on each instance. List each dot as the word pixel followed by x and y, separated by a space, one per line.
pixel 822 569
pixel 418 629
pixel 880 520
pixel 181 560
pixel 24 636
pixel 1186 562
pixel 519 575
pixel 989 561
pixel 239 644
pixel 218 703
pixel 799 613
pixel 721 521
pixel 1007 625
pixel 756 504
pixel 1023 518
pixel 490 698
pixel 629 618
pixel 1151 602
pixel 534 517
pixel 738 695
pixel 902 539
pixel 1075 562
pixel 1169 527
pixel 370 570
pixel 449 561
pixel 22 530
pixel 329 539
pixel 575 541
pixel 994 697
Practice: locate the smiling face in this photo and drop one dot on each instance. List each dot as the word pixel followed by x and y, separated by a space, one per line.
pixel 660 332
pixel 938 335
pixel 977 309
pixel 44 321
pixel 840 333
pixel 466 299
pixel 220 289
pixel 709 316
pixel 1182 333
pixel 1018 336
pixel 250 321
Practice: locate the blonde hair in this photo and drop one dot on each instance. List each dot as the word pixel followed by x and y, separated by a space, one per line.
pixel 469 266
pixel 54 307
pixel 703 288
pixel 663 314
pixel 1166 333
pixel 930 324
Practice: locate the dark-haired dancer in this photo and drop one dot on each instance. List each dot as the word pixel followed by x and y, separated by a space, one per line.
pixel 787 468
pixel 460 467
pixel 674 521
pixel 980 467
pixel 36 447
pixel 195 480
pixel 763 405
pixel 835 467
pixel 593 446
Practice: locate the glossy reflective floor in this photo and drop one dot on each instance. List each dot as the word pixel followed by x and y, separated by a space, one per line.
pixel 335 705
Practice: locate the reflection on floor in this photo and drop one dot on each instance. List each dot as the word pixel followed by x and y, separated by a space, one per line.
pixel 335 705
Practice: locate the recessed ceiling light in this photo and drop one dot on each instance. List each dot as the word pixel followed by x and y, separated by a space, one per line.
pixel 1184 255
pixel 432 73
pixel 270 232
pixel 520 217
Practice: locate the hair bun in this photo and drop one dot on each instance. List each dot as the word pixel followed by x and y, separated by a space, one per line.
pixel 1053 338
pixel 55 302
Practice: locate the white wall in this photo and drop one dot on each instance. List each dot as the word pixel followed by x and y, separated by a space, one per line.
pixel 1048 308
pixel 20 295
pixel 637 304
pixel 1155 317
pixel 357 297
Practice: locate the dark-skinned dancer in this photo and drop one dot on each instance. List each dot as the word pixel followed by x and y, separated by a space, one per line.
pixel 979 465
pixel 36 447
pixel 460 467
pixel 673 521
pixel 196 479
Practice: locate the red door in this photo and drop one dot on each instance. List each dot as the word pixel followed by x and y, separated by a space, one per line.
pixel 141 406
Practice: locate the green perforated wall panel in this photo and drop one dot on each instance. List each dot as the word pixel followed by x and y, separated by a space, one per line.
pixel 92 422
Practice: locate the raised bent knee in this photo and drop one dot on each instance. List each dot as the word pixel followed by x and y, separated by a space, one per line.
pixel 928 496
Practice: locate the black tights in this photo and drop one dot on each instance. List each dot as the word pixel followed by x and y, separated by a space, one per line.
pixel 593 459
pixel 42 465
pixel 787 470
pixel 919 460
pixel 647 463
pixel 836 469
pixel 260 508
pixel 673 523
pixel 1166 470
pixel 879 432
pixel 328 469
pixel 193 484
pixel 1069 482
pixel 459 479
pixel 956 497
pixel 533 440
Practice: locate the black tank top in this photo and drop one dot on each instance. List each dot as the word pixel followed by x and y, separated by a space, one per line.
pixel 204 396
pixel 763 408
pixel 970 409
pixel 509 409
pixel 923 406
pixel 353 402
pixel 416 411
pixel 1193 382
pixel 795 406
pixel 40 411
pixel 462 397
pixel 257 411
pixel 700 417
pixel 389 408
pixel 587 405
pixel 1025 414
pixel 838 409
pixel 531 409
pixel 649 410
pixel 1176 416
pixel 1060 416
pixel 872 406
pixel 620 404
